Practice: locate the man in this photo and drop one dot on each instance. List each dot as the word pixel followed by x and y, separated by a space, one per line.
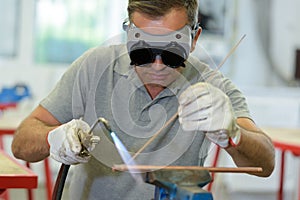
pixel 137 94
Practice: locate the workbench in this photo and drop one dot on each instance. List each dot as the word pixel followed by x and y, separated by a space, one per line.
pixel 285 139
pixel 9 121
pixel 14 174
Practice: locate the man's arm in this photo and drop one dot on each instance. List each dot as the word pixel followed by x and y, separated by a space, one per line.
pixel 249 151
pixel 206 108
pixel 30 139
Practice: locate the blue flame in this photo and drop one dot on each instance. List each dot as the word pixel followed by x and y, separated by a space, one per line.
pixel 126 157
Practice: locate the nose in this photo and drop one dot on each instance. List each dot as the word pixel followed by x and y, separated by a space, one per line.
pixel 158 64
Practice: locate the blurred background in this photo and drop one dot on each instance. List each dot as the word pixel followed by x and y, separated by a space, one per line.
pixel 39 39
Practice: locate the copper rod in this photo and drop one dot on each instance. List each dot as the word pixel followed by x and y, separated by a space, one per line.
pixel 144 168
pixel 231 51
pixel 176 114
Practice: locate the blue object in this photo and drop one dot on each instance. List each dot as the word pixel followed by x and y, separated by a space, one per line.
pixel 14 94
pixel 179 184
pixel 182 193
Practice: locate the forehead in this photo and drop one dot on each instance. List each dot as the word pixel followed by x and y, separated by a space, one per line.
pixel 173 20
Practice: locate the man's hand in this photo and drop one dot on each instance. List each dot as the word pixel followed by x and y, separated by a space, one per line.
pixel 69 140
pixel 206 108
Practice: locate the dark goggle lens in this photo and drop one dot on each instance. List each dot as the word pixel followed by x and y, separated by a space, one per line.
pixel 141 56
pixel 172 57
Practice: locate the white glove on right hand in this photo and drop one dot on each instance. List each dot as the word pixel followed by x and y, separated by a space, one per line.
pixel 206 108
pixel 68 140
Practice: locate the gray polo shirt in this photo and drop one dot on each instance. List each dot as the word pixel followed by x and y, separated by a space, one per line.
pixel 101 83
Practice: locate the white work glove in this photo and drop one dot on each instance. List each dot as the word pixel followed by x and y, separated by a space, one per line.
pixel 70 143
pixel 206 108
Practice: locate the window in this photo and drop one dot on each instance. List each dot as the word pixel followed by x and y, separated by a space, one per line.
pixel 64 29
pixel 9 21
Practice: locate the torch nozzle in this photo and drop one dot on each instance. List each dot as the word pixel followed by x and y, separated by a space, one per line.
pixel 103 121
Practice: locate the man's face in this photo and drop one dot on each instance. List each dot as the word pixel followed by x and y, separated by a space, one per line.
pixel 157 73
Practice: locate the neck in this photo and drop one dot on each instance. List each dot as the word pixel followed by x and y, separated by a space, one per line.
pixel 154 90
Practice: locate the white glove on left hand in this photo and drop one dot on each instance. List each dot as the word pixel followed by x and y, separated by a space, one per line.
pixel 69 140
pixel 206 108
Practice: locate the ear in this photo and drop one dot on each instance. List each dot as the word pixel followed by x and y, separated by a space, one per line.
pixel 194 42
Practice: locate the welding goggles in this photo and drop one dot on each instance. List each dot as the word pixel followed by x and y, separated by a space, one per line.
pixel 173 48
